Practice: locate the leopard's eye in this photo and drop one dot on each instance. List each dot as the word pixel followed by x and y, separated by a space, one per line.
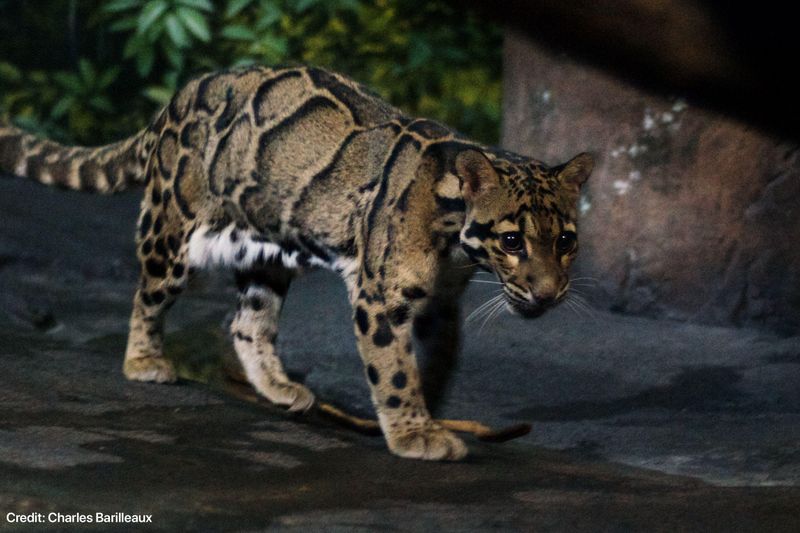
pixel 566 242
pixel 511 241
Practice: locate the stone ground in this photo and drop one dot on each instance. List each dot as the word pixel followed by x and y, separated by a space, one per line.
pixel 637 424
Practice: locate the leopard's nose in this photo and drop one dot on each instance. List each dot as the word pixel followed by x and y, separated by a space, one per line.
pixel 544 297
pixel 544 292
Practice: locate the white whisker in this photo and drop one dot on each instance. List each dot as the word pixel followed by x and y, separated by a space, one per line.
pixel 478 311
pixel 499 306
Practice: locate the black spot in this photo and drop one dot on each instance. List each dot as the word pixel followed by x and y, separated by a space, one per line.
pixel 155 268
pixel 383 335
pixel 183 205
pixel 229 113
pixel 161 248
pixel 373 375
pixel 262 278
pixel 347 248
pixel 155 196
pixel 399 380
pixel 393 402
pixel 158 297
pixel 174 290
pixel 166 196
pixel 362 319
pixel 146 300
pixel 399 315
pixel 174 244
pixel 314 248
pixel 256 304
pixel 241 336
pixel 158 225
pixel 414 293
pixel 178 269
pixel 177 114
pixel 480 231
pixel 202 90
pixel 234 236
pixel 144 226
pixel 402 202
pixel 289 247
pixel 89 173
pixel 450 204
pixel 241 253
pixel 474 254
pixel 147 247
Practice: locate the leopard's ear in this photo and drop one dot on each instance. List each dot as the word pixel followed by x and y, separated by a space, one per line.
pixel 476 174
pixel 575 172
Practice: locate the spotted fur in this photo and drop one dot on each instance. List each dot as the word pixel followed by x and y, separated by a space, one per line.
pixel 273 171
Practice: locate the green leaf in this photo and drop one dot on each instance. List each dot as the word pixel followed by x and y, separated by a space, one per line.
pixel 244 62
pixel 176 31
pixel 132 46
pixel 144 61
pixel 174 55
pixel 126 24
pixel 419 53
pixel 171 80
pixel 237 32
pixel 116 6
pixel 150 14
pixel 195 22
pixel 9 72
pixel 87 71
pixel 302 5
pixel 107 78
pixel 160 95
pixel 349 5
pixel 274 47
pixel 204 5
pixel 61 107
pixel 235 7
pixel 68 81
pixel 101 103
pixel 269 14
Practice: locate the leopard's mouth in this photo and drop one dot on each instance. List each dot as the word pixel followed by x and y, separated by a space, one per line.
pixel 527 308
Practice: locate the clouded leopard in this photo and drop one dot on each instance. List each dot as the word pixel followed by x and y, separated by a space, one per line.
pixel 273 171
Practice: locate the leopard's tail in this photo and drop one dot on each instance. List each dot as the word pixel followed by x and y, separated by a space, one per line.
pixel 103 169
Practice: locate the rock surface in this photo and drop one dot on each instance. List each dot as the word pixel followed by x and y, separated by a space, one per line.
pixel 638 424
pixel 688 214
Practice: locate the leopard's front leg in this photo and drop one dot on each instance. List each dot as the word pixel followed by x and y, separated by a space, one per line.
pixel 383 325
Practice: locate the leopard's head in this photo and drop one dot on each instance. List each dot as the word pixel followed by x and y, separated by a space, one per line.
pixel 521 223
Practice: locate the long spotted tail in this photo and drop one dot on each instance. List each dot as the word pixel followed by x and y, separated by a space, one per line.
pixel 104 169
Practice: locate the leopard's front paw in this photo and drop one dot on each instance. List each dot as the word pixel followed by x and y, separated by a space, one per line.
pixel 155 369
pixel 429 441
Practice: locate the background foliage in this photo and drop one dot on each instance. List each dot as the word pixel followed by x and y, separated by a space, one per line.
pixel 92 71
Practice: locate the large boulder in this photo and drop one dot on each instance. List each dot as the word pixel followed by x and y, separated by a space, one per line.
pixel 689 214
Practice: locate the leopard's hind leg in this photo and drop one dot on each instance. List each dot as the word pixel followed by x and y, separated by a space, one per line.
pixel 262 290
pixel 162 251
